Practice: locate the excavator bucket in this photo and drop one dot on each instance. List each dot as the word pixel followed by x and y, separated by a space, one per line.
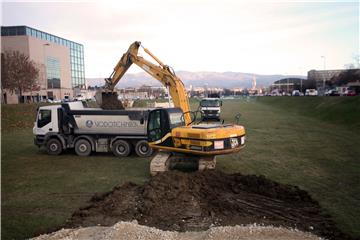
pixel 108 100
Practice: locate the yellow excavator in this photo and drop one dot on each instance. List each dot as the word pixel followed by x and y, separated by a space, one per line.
pixel 173 131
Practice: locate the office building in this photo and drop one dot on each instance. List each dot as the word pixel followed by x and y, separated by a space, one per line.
pixel 321 77
pixel 60 61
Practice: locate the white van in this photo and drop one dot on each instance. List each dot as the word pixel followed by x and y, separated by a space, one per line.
pixel 311 92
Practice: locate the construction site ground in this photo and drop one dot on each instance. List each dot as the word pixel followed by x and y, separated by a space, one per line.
pixel 182 201
pixel 311 143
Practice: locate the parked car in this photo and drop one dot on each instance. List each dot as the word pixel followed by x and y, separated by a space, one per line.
pixel 275 93
pixel 79 98
pixel 311 92
pixel 350 93
pixel 295 93
pixel 66 99
pixel 332 92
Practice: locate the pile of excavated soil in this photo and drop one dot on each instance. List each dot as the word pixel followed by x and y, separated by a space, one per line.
pixel 131 230
pixel 110 101
pixel 178 201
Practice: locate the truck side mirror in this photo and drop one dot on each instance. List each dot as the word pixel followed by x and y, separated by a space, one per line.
pixel 142 120
pixel 220 103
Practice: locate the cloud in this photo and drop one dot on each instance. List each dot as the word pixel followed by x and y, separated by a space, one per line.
pixel 261 36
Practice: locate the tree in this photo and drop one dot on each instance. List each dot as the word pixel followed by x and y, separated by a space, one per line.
pixel 350 75
pixel 19 74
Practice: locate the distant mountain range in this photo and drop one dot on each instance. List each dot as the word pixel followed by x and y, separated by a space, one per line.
pixel 198 79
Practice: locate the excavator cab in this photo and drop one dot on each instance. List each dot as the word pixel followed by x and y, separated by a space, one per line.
pixel 160 123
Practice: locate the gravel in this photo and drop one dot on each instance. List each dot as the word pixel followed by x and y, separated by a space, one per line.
pixel 132 230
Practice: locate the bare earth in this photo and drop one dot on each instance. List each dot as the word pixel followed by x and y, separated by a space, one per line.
pixel 187 202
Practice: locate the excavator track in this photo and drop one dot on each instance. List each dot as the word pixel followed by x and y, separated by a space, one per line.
pixel 166 161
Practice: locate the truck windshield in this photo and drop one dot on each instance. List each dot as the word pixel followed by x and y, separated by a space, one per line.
pixel 210 103
pixel 176 120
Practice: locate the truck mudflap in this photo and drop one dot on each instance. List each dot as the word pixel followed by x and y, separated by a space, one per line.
pixel 39 140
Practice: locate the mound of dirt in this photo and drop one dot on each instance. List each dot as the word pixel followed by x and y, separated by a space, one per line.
pixel 180 201
pixel 110 101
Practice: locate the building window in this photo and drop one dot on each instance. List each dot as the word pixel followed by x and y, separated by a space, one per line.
pixel 4 32
pixel 77 64
pixel 21 31
pixel 12 32
pixel 53 72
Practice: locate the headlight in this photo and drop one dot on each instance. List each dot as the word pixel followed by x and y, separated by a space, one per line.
pixel 242 139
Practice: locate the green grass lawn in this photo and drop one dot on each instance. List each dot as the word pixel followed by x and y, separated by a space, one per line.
pixel 309 142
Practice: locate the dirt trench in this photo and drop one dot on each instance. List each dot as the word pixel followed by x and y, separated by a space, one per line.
pixel 178 201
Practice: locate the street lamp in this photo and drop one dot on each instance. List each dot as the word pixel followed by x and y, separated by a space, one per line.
pixel 45 70
pixel 324 58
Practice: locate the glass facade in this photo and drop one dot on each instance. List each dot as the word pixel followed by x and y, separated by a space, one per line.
pixel 76 50
pixel 53 72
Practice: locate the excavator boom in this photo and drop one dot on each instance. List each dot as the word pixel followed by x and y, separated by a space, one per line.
pixel 162 73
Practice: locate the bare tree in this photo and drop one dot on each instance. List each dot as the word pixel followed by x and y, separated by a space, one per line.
pixel 19 74
pixel 350 75
pixel 4 76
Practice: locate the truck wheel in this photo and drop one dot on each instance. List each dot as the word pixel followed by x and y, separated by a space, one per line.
pixel 82 147
pixel 143 149
pixel 53 147
pixel 121 148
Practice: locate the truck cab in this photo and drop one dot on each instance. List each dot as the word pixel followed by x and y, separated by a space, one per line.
pixel 210 109
pixel 46 120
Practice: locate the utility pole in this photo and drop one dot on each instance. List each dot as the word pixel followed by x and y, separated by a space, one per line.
pixel 287 85
pixel 324 58
pixel 301 80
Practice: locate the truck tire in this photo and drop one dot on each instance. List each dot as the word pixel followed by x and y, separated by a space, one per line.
pixel 83 147
pixel 143 149
pixel 54 146
pixel 121 148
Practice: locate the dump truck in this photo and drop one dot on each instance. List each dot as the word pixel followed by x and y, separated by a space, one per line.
pixel 73 126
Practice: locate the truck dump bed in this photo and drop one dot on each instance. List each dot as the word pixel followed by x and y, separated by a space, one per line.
pixel 98 121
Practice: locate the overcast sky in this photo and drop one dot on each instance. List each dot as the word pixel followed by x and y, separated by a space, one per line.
pixel 277 37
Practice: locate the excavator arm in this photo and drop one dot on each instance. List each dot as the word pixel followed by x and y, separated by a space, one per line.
pixel 161 72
